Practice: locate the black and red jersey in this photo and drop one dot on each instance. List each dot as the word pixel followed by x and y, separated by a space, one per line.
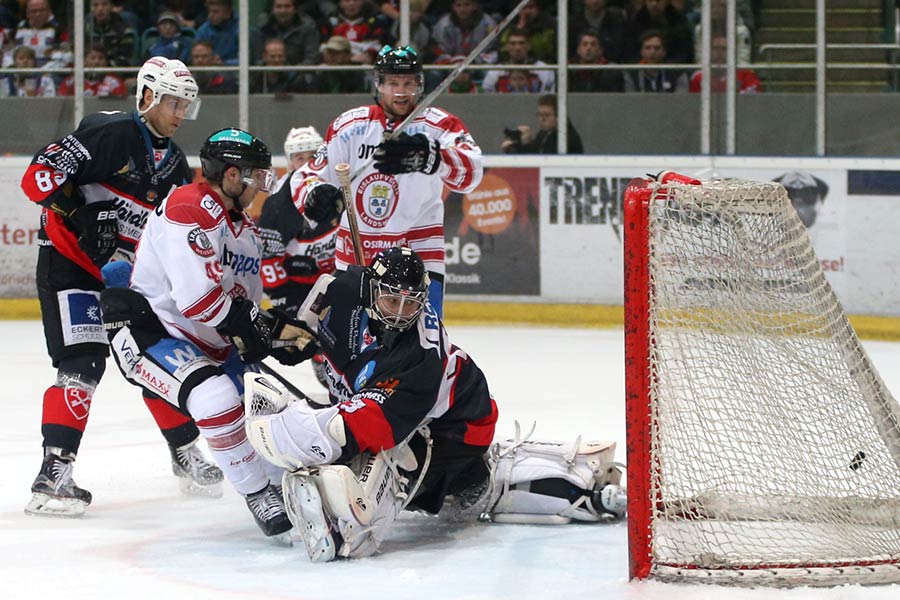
pixel 387 384
pixel 110 156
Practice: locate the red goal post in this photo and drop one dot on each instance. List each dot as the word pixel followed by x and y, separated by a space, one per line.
pixel 763 447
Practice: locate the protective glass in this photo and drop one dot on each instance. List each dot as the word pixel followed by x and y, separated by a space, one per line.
pixel 181 107
pixel 398 308
pixel 261 179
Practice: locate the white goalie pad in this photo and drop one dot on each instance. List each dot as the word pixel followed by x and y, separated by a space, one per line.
pixel 347 511
pixel 549 482
pixel 285 430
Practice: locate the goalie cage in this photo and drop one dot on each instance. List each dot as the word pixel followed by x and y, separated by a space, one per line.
pixel 763 447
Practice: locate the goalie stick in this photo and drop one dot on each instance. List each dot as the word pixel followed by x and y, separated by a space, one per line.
pixel 421 106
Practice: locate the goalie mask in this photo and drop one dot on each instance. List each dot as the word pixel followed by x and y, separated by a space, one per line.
pixel 398 60
pixel 171 83
pixel 238 148
pixel 399 288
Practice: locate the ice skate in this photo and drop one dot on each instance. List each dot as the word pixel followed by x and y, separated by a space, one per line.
pixel 268 511
pixel 54 492
pixel 197 476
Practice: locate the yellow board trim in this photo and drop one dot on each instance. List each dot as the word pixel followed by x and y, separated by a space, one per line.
pixel 536 314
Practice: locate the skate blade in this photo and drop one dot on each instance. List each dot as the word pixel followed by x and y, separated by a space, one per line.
pixel 283 539
pixel 44 505
pixel 304 508
pixel 189 487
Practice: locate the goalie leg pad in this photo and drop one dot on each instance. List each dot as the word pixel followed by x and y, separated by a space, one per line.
pixel 548 482
pixel 307 513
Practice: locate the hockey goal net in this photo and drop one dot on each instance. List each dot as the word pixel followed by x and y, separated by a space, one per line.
pixel 763 447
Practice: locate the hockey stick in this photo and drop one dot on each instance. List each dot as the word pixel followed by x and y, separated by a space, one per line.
pixel 421 106
pixel 343 173
pixel 283 381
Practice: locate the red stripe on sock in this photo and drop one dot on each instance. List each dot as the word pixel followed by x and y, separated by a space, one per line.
pixel 68 407
pixel 165 415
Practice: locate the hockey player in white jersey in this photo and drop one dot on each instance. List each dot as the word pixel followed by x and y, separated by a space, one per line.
pixel 194 303
pixel 399 198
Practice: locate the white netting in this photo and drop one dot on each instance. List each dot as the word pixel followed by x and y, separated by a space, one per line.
pixel 775 443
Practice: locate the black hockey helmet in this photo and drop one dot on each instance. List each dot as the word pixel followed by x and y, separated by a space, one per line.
pixel 399 287
pixel 398 60
pixel 235 147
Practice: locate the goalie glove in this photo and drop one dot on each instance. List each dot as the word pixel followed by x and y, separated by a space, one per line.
pixel 324 203
pixel 292 340
pixel 407 154
pixel 98 227
pixel 248 327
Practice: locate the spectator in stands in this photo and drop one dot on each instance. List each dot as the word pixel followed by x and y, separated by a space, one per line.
pixel 171 42
pixel 419 31
pixel 95 84
pixel 517 51
pixel 662 16
pixel 540 29
pixel 747 80
pixel 653 52
pixel 190 12
pixel 520 141
pixel 299 33
pixel 275 82
pixel 807 193
pixel 464 83
pixel 590 52
pixel 203 54
pixel 460 30
pixel 518 81
pixel 718 27
pixel 40 85
pixel 40 30
pixel 106 29
pixel 337 51
pixel 360 22
pixel 609 22
pixel 221 28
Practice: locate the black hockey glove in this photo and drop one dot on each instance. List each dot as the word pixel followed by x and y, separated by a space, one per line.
pixel 407 154
pixel 292 340
pixel 324 203
pixel 98 230
pixel 300 266
pixel 249 329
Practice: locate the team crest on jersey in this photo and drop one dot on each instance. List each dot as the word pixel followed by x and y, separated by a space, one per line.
pixel 319 158
pixel 238 291
pixel 199 243
pixel 376 199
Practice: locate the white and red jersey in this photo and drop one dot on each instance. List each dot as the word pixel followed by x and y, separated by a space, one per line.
pixel 193 258
pixel 393 210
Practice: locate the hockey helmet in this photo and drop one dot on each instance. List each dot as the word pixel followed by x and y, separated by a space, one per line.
pixel 398 60
pixel 237 148
pixel 399 287
pixel 302 139
pixel 164 77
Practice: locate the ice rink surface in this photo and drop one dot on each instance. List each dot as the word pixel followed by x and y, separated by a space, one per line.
pixel 142 539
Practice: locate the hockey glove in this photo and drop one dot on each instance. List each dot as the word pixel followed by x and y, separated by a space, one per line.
pixel 324 203
pixel 407 154
pixel 292 340
pixel 300 266
pixel 248 327
pixel 98 228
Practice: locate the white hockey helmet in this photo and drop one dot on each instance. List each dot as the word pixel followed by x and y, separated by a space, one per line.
pixel 302 139
pixel 165 76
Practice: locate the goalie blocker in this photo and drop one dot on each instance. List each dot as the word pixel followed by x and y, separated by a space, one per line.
pixel 347 510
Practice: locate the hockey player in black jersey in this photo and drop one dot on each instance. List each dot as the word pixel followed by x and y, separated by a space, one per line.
pixel 411 425
pixel 97 187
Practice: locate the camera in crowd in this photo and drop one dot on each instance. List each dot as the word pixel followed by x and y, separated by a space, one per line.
pixel 513 134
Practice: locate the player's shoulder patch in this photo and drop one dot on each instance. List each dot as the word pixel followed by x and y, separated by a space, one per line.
pixel 184 207
pixel 434 115
pixel 350 116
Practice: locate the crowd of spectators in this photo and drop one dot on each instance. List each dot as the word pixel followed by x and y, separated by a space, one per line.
pixel 123 33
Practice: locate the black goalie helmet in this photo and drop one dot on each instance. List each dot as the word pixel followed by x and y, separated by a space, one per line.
pixel 398 60
pixel 399 287
pixel 237 148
